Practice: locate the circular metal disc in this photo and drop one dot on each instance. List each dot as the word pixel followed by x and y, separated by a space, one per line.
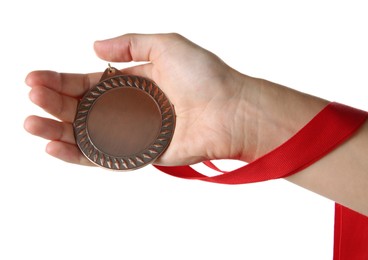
pixel 124 123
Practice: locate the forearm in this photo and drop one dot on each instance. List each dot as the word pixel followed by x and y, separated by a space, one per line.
pixel 280 112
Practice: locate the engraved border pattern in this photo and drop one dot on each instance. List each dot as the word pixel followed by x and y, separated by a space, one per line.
pixel 126 162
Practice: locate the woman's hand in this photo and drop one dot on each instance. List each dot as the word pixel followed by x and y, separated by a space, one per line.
pixel 209 99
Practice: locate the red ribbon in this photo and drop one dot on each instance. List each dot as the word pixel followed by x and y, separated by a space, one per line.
pixel 329 128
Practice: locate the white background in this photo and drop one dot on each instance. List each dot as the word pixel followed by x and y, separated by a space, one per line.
pixel 53 210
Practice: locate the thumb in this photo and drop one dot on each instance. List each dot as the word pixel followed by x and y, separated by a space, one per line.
pixel 130 47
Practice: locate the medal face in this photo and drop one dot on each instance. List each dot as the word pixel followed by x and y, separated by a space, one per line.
pixel 124 122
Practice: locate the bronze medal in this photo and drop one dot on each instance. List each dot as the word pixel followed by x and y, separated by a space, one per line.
pixel 124 122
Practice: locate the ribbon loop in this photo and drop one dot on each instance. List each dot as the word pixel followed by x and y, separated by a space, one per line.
pixel 329 128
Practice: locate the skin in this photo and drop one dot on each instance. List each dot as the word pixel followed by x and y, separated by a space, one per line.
pixel 240 117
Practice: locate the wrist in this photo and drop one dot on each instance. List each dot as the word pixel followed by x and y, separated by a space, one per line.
pixel 271 114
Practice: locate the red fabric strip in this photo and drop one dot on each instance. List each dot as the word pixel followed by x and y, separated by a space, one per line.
pixel 333 125
pixel 329 128
pixel 351 234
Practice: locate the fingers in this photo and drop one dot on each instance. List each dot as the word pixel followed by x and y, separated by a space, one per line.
pixel 74 85
pixel 60 106
pixel 134 47
pixel 63 145
pixel 130 47
pixel 67 152
pixel 49 129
